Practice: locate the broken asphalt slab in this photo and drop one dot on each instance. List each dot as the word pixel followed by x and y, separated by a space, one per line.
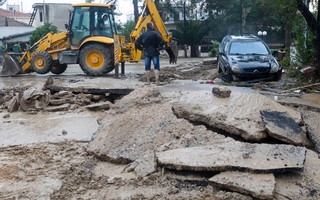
pixel 312 123
pixel 140 122
pixel 260 186
pixel 302 185
pixel 282 127
pixel 98 85
pixel 238 115
pixel 234 155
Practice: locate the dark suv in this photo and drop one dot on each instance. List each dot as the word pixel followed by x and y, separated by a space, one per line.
pixel 246 56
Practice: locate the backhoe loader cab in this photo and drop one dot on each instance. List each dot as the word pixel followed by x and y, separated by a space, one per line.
pixel 89 20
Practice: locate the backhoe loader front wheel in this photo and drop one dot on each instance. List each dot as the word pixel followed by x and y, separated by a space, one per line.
pixel 96 59
pixel 58 68
pixel 41 62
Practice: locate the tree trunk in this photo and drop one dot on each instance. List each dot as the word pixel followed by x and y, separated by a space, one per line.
pixel 194 51
pixel 135 10
pixel 288 39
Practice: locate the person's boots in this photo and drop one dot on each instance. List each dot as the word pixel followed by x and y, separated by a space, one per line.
pixel 156 74
pixel 148 77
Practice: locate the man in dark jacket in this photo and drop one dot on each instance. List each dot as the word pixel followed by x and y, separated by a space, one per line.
pixel 151 42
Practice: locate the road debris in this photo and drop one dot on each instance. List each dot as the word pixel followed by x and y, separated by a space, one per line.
pixel 282 127
pixel 260 186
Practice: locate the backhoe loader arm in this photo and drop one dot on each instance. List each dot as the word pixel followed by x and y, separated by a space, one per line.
pixel 149 14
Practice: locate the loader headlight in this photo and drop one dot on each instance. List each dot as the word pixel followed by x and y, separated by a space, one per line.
pixel 235 69
pixel 274 69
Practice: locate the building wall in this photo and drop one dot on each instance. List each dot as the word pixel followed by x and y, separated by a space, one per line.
pixel 56 14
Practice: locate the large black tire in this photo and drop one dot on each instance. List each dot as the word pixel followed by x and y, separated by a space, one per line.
pixel 41 62
pixel 58 68
pixel 96 59
pixel 219 66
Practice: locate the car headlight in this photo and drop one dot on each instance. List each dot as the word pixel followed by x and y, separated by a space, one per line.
pixel 274 69
pixel 235 69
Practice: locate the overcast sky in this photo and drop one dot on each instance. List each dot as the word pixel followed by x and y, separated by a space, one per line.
pixel 123 6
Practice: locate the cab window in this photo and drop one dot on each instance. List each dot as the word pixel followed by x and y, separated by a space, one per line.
pixel 80 25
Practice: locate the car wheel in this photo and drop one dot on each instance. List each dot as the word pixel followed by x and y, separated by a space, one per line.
pixel 228 75
pixel 219 67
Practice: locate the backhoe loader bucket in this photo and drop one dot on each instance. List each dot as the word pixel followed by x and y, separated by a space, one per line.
pixel 11 65
pixel 172 50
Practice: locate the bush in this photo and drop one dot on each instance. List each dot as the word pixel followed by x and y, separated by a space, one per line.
pixel 213 52
pixel 42 31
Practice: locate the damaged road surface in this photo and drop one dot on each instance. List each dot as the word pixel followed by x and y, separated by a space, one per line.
pixel 76 137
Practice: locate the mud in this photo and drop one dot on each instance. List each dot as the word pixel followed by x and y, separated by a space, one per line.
pixel 109 152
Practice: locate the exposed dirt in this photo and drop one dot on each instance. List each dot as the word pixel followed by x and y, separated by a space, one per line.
pixel 68 170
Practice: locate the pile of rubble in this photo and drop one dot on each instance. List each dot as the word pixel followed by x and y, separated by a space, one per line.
pixel 249 143
pixel 30 99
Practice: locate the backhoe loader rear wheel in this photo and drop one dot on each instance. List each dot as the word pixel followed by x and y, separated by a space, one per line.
pixel 58 68
pixel 41 62
pixel 96 59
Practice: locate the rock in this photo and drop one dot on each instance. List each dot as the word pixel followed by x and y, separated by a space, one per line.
pixel 57 102
pixel 238 115
pixel 96 97
pixel 63 93
pixel 64 107
pixel 224 195
pixel 227 155
pixel 6 116
pixel 98 106
pixel 144 165
pixel 64 132
pixel 221 92
pixel 13 104
pixel 302 185
pixel 209 61
pixel 282 127
pixel 260 186
pixel 312 123
pixel 34 98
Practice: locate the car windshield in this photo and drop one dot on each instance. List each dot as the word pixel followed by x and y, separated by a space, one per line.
pixel 248 48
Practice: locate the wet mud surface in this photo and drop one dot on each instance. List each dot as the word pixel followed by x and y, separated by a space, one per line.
pixel 61 149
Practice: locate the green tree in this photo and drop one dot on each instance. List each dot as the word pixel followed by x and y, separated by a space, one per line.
pixel 42 31
pixel 195 31
pixel 126 29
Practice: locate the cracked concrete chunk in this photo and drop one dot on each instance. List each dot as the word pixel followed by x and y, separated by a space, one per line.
pixel 257 185
pixel 312 123
pixel 302 185
pixel 228 155
pixel 238 115
pixel 282 127
pixel 144 165
pixel 98 106
pixel 64 107
pixel 131 128
pixel 221 92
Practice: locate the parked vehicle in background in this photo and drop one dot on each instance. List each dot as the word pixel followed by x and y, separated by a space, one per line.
pixel 246 57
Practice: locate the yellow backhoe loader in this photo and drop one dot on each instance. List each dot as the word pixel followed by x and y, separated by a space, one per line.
pixel 91 40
